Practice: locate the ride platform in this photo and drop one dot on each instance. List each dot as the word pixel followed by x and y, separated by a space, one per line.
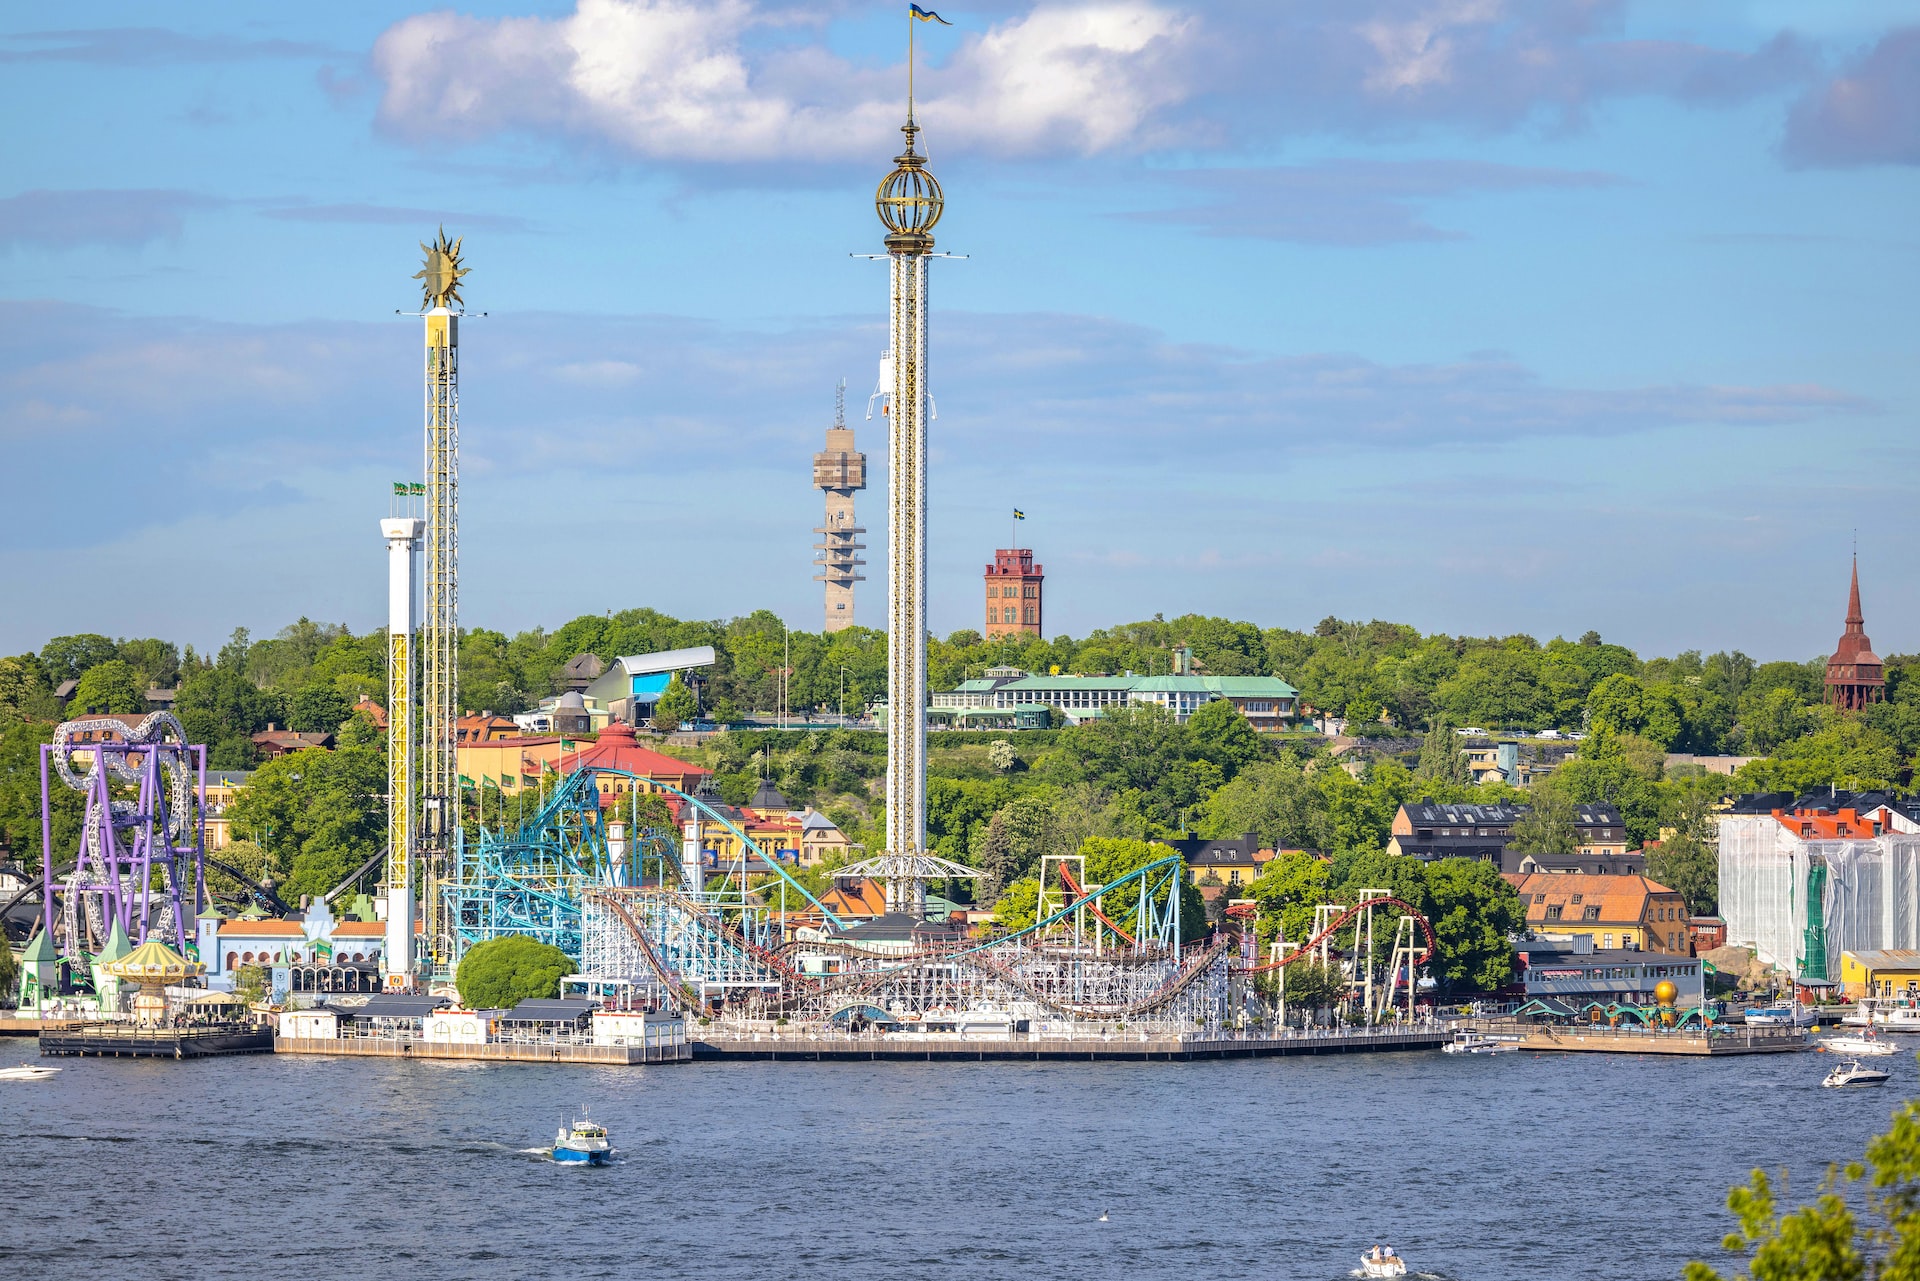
pixel 122 1040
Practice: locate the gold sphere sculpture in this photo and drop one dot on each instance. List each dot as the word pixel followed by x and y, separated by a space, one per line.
pixel 1664 991
pixel 909 201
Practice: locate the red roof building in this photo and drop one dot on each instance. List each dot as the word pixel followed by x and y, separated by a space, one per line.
pixel 618 749
pixel 1855 674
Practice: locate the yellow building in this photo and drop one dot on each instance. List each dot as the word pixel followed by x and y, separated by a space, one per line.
pixel 1883 974
pixel 222 786
pixel 1615 911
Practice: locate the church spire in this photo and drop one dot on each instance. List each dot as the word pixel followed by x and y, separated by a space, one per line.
pixel 1856 621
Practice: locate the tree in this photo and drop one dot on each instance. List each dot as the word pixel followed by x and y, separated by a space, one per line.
pixel 221 708
pixel 67 658
pixel 19 682
pixel 20 799
pixel 9 974
pixel 1313 986
pixel 1288 888
pixel 1015 838
pixel 1827 1241
pixel 676 706
pixel 1001 755
pixel 318 709
pixel 1219 733
pixel 1475 913
pixel 1547 827
pixel 1275 799
pixel 502 972
pixel 1441 759
pixel 109 687
pixel 1688 860
pixel 318 814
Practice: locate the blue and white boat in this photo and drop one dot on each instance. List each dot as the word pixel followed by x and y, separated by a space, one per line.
pixel 585 1142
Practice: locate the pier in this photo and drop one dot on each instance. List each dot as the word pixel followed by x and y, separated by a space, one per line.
pixel 1715 1042
pixel 126 1040
pixel 377 1047
pixel 812 1047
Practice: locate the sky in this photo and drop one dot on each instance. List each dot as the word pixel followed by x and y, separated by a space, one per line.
pixel 1487 316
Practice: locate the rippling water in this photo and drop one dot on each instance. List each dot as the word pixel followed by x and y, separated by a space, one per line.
pixel 1476 1169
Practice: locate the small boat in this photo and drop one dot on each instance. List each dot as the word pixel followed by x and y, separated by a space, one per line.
pixel 1772 1016
pixel 1479 1043
pixel 28 1072
pixel 583 1141
pixel 1381 1261
pixel 1868 1046
pixel 1887 1015
pixel 1855 1073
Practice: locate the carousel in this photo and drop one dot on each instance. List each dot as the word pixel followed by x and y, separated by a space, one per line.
pixel 151 969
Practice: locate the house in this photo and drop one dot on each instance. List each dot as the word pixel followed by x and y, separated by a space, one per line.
pixel 1629 912
pixel 1569 977
pixel 1234 860
pixel 483 728
pixel 1883 974
pixel 821 839
pixel 1804 879
pixel 223 785
pixel 1268 703
pixel 633 684
pixel 273 742
pixel 581 671
pixel 510 764
pixel 1427 830
pixel 376 715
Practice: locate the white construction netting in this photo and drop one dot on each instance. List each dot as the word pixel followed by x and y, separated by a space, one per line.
pixel 1865 894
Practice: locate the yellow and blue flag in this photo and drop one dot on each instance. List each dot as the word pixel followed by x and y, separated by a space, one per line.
pixel 927 15
pixel 1018 514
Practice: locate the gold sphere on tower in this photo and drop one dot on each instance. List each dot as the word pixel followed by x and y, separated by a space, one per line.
pixel 909 201
pixel 1664 991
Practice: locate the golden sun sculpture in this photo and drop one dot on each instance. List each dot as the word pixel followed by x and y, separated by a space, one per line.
pixel 440 277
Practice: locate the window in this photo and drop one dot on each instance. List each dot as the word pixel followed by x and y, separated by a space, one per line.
pixel 1553 911
pixel 1609 940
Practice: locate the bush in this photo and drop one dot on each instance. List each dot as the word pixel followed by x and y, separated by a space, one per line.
pixel 503 972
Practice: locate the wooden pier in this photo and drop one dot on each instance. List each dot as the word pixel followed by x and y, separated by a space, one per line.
pixel 806 1047
pixel 12 1026
pixel 1716 1042
pixel 484 1051
pixel 124 1040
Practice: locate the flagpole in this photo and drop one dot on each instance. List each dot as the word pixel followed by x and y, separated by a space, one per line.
pixel 909 65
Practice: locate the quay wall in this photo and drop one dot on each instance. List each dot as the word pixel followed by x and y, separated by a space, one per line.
pixel 806 1047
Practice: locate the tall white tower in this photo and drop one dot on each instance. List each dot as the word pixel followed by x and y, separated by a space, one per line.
pixel 403 546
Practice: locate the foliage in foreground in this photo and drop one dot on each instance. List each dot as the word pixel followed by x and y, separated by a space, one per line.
pixel 1864 1225
pixel 501 973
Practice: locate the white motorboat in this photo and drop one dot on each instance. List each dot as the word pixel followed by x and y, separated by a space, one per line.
pixel 584 1142
pixel 1855 1073
pixel 1772 1016
pixel 1886 1015
pixel 28 1072
pixel 1480 1043
pixel 1381 1261
pixel 1868 1046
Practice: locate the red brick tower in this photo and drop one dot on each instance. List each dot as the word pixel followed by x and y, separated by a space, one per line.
pixel 1013 593
pixel 1855 675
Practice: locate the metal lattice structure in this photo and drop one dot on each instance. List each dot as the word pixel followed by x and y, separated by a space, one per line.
pixel 142 837
pixel 440 626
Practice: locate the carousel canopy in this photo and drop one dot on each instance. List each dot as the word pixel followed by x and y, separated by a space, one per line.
pixel 154 962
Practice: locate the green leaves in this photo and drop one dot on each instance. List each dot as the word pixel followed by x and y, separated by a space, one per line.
pixel 500 973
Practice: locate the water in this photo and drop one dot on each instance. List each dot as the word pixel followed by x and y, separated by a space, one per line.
pixel 1475 1168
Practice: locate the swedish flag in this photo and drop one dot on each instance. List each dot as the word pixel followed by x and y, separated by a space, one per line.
pixel 1018 514
pixel 927 15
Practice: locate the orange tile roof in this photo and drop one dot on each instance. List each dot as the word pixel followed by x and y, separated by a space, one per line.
pixel 1846 824
pixel 262 929
pixel 1622 900
pixel 360 929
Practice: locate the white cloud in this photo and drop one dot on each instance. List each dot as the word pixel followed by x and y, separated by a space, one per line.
pixel 672 80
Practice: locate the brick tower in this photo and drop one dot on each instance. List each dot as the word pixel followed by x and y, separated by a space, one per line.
pixel 1014 597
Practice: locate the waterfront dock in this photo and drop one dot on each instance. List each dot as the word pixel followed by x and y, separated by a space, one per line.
pixel 1715 1042
pixel 806 1046
pixel 13 1026
pixel 125 1040
pixel 484 1051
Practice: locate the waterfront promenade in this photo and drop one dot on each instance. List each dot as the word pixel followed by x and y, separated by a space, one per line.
pixel 812 1046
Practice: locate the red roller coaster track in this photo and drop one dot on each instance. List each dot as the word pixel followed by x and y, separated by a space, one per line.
pixel 1408 909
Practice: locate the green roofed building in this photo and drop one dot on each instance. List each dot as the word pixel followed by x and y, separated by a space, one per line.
pixel 1267 702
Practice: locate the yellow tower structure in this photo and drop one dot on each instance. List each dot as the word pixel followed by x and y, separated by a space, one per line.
pixel 403 546
pixel 441 307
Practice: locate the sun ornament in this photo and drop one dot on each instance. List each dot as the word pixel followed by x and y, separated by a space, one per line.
pixel 440 277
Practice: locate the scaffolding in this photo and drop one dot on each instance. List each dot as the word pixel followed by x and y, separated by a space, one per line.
pixel 1799 903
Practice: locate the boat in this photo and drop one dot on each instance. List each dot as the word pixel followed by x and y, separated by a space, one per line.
pixel 1854 1072
pixel 585 1141
pixel 1381 1261
pixel 1772 1016
pixel 28 1072
pixel 1887 1015
pixel 1868 1046
pixel 1480 1043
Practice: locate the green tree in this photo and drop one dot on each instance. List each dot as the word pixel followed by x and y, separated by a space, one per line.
pixel 1847 752
pixel 1441 759
pixel 1475 913
pixel 1828 1241
pixel 1015 838
pixel 19 683
pixel 502 972
pixel 1548 825
pixel 1688 860
pixel 221 708
pixel 1313 986
pixel 9 973
pixel 676 706
pixel 68 658
pixel 318 814
pixel 20 798
pixel 1219 733
pixel 1275 799
pixel 110 687
pixel 1288 888
pixel 318 709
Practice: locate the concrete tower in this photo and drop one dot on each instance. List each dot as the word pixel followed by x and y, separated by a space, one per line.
pixel 403 546
pixel 839 470
pixel 441 308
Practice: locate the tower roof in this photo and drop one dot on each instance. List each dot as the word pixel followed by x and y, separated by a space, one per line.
pixel 1855 647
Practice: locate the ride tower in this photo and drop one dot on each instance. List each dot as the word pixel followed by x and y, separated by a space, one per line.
pixel 909 202
pixel 403 554
pixel 441 308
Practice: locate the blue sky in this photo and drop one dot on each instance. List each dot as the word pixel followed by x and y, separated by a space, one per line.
pixel 1482 315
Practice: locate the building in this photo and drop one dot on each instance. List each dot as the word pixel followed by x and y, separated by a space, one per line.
pixel 839 471
pixel 1268 703
pixel 1233 860
pixel 1883 974
pixel 223 785
pixel 484 727
pixel 1570 977
pixel 631 685
pixel 376 715
pixel 1427 830
pixel 581 671
pixel 1014 599
pixel 1855 675
pixel 1804 879
pixel 273 741
pixel 1626 912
